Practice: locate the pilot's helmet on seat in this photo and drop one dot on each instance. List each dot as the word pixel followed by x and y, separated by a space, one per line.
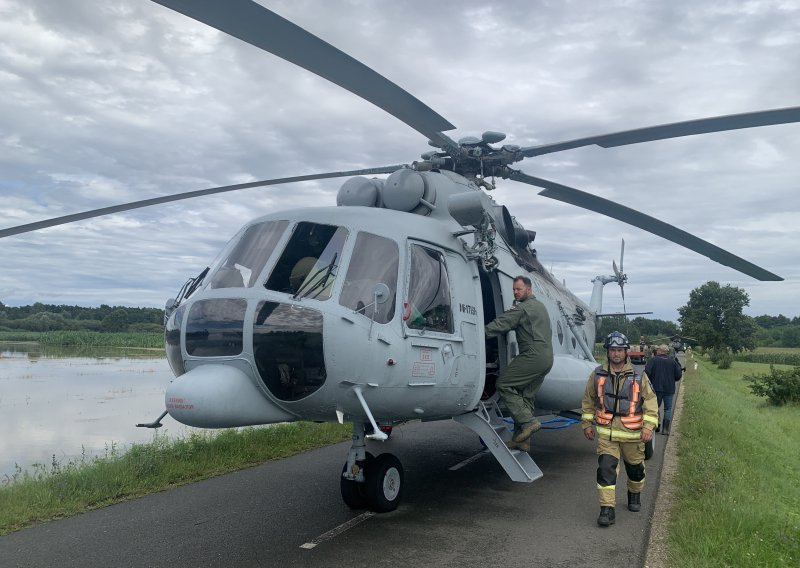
pixel 616 339
pixel 300 271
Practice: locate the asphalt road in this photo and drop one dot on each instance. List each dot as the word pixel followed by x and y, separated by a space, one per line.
pixel 290 513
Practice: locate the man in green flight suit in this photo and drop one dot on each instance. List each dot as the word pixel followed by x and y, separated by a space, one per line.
pixel 520 380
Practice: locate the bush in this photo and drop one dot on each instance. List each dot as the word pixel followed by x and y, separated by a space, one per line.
pixel 780 387
pixel 721 357
pixel 725 360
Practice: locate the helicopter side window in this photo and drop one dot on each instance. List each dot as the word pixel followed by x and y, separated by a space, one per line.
pixel 374 260
pixel 247 259
pixel 309 263
pixel 429 292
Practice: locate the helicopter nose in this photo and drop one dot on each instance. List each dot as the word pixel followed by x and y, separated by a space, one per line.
pixel 220 396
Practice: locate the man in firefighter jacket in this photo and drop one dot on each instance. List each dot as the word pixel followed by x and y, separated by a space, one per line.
pixel 620 408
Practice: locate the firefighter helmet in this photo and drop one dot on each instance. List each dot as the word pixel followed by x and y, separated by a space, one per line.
pixel 616 339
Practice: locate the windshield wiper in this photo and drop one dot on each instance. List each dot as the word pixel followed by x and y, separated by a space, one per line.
pixel 319 283
pixel 194 283
pixel 186 290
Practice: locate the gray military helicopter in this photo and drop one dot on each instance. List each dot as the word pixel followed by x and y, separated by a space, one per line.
pixel 373 311
pixel 677 347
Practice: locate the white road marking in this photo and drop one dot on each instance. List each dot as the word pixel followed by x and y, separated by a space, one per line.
pixel 469 460
pixel 338 530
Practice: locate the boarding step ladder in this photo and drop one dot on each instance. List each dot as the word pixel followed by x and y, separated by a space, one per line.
pixel 488 423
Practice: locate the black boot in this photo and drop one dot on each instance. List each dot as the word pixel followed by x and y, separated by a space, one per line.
pixel 607 517
pixel 634 502
pixel 667 424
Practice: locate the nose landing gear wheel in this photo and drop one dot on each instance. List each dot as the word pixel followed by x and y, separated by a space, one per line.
pixel 384 484
pixel 354 494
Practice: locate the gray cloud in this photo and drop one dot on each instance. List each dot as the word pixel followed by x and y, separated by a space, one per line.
pixel 107 102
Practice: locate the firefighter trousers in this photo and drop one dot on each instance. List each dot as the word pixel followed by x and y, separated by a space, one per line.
pixel 608 456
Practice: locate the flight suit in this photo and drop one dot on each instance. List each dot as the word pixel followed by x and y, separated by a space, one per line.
pixel 520 380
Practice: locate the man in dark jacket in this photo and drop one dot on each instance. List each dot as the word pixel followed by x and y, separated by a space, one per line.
pixel 519 381
pixel 664 371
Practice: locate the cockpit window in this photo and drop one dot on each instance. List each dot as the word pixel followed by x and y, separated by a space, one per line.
pixel 172 341
pixel 309 263
pixel 374 260
pixel 429 292
pixel 288 349
pixel 247 259
pixel 214 327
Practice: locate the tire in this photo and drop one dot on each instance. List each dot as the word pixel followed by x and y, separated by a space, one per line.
pixel 649 447
pixel 384 483
pixel 354 494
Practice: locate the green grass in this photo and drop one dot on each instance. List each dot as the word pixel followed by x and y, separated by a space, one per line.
pixel 88 338
pixel 19 335
pixel 737 498
pixel 62 490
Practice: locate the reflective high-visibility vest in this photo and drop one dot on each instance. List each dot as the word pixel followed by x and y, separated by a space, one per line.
pixel 626 402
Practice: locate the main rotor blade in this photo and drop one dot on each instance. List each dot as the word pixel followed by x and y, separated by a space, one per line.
pixel 180 196
pixel 672 130
pixel 258 26
pixel 644 222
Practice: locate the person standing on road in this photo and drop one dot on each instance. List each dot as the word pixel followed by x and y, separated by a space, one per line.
pixel 620 407
pixel 520 380
pixel 664 372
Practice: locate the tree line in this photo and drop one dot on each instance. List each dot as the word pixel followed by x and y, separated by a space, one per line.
pixel 652 329
pixel 49 317
pixel 713 315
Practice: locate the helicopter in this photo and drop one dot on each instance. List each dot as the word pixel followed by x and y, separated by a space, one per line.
pixel 677 347
pixel 407 268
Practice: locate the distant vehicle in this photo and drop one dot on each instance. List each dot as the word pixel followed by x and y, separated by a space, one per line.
pixel 677 347
pixel 638 360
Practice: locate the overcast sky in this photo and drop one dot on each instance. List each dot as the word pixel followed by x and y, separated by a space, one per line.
pixel 105 102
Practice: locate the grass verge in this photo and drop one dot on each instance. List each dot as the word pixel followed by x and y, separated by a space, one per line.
pixel 738 496
pixel 63 490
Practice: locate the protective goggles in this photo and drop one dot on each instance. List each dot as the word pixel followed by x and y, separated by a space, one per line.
pixel 616 341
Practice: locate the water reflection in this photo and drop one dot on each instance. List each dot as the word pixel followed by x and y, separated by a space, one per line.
pixel 79 401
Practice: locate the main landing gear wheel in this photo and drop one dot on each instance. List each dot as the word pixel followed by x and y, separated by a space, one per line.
pixel 354 494
pixel 384 484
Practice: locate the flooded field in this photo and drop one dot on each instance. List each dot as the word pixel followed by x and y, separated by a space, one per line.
pixel 72 402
